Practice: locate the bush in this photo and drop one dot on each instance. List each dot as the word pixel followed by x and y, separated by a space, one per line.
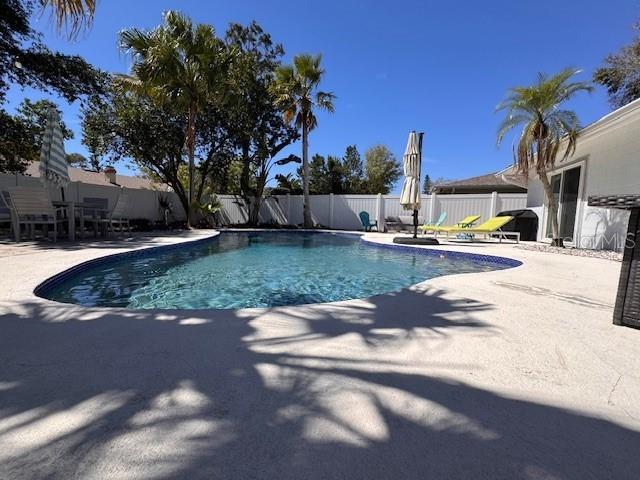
pixel 141 225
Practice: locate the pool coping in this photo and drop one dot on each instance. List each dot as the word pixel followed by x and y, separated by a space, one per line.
pixel 45 287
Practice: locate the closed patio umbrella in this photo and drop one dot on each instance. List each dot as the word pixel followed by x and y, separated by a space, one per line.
pixel 53 164
pixel 410 196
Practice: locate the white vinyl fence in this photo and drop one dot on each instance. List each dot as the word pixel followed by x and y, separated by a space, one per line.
pixel 330 211
pixel 341 211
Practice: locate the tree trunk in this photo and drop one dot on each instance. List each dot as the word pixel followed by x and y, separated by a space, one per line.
pixel 184 200
pixel 254 209
pixel 553 209
pixel 190 141
pixel 258 192
pixel 306 211
pixel 248 194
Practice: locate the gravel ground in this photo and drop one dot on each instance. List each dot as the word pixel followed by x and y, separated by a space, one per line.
pixel 578 252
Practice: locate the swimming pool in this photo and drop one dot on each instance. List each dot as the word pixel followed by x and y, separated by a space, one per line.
pixel 257 269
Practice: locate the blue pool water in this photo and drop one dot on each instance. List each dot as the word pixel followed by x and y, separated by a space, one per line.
pixel 265 269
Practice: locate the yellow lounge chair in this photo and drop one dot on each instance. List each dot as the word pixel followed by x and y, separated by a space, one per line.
pixel 493 226
pixel 466 222
pixel 429 226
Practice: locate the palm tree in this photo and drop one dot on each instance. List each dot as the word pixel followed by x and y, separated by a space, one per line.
pixel 546 129
pixel 74 14
pixel 296 92
pixel 178 63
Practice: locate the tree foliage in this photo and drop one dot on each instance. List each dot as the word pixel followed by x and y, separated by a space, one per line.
pixel 353 167
pixel 427 184
pixel 349 175
pixel 77 160
pixel 21 134
pixel 382 169
pixel 256 125
pixel 132 125
pixel 181 64
pixel 17 144
pixel 287 184
pixel 333 175
pixel 27 62
pixel 547 128
pixel 620 74
pixel 34 115
pixel 238 130
pixel 71 15
pixel 296 89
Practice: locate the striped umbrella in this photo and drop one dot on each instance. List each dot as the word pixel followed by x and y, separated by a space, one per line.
pixel 410 196
pixel 53 164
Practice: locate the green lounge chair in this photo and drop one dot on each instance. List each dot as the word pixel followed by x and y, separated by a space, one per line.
pixel 492 227
pixel 367 224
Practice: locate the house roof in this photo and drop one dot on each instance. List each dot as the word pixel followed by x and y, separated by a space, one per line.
pixel 99 178
pixel 503 179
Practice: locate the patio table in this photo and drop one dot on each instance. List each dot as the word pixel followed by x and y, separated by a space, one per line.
pixel 627 309
pixel 71 208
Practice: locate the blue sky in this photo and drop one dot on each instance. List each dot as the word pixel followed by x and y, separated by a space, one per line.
pixel 438 67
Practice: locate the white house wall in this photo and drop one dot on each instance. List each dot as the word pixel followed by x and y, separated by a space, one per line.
pixel 609 151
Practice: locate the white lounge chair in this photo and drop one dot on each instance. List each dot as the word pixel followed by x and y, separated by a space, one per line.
pixel 6 211
pixel 31 206
pixel 95 211
pixel 118 217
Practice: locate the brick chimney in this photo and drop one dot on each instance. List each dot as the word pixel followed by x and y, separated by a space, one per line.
pixel 110 174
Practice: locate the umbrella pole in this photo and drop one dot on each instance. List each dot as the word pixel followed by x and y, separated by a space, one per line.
pixel 415 224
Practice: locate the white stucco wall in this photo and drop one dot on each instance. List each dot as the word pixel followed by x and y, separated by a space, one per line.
pixel 609 153
pixel 142 203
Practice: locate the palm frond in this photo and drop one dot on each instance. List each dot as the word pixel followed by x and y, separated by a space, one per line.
pixel 324 101
pixel 509 123
pixel 524 154
pixel 71 15
pixel 180 62
pixel 545 126
pixel 294 91
pixel 312 121
pixel 308 68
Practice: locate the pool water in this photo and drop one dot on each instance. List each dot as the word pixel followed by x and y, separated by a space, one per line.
pixel 257 269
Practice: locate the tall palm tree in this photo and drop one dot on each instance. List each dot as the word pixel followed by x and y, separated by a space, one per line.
pixel 74 14
pixel 296 92
pixel 547 129
pixel 179 63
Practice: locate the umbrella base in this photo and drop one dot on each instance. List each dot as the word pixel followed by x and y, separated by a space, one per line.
pixel 416 241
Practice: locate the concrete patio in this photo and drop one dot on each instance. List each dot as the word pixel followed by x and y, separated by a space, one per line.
pixel 512 374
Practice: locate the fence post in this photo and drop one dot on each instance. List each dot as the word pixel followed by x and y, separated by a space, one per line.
pixel 494 204
pixel 288 209
pixel 432 207
pixel 380 212
pixel 331 210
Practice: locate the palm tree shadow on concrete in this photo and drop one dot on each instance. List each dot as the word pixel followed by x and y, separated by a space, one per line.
pixel 289 393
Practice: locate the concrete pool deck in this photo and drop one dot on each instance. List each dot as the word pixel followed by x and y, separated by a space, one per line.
pixel 509 374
